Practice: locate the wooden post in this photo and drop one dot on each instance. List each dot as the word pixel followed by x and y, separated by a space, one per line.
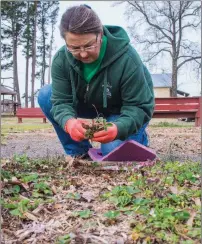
pixel 198 119
pixel 3 102
pixel 19 120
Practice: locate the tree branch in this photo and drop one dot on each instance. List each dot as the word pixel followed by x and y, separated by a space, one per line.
pixel 180 30
pixel 6 78
pixel 193 13
pixel 191 25
pixel 187 60
pixel 155 54
pixel 185 56
pixel 154 42
pixel 186 6
pixel 9 27
pixel 139 8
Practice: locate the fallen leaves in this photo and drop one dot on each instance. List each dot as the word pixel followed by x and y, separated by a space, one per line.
pixel 176 189
pixel 78 211
pixel 191 219
pixel 30 216
pixel 197 201
pixel 88 196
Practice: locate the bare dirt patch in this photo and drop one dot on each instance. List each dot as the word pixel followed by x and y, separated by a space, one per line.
pixel 183 143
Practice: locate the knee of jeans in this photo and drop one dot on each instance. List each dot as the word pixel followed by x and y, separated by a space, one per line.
pixel 109 147
pixel 44 96
pixel 113 117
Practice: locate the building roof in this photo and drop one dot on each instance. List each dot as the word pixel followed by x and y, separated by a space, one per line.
pixel 165 80
pixel 6 91
pixel 162 80
pixel 8 101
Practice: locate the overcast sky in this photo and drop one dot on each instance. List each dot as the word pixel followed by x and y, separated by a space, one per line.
pixel 110 15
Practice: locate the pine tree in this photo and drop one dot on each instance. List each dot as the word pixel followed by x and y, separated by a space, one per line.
pixel 34 55
pixel 53 20
pixel 12 15
pixel 27 41
pixel 48 12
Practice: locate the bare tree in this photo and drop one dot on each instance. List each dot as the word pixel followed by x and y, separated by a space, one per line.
pixel 167 23
pixel 53 20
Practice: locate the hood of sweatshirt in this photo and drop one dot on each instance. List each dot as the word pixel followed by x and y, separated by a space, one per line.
pixel 117 44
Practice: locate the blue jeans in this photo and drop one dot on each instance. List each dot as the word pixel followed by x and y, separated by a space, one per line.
pixel 72 147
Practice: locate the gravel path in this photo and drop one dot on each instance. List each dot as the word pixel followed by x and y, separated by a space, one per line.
pixel 169 143
pixel 35 145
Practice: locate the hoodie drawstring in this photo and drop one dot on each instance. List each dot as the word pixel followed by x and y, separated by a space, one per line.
pixel 74 89
pixel 105 90
pixel 73 86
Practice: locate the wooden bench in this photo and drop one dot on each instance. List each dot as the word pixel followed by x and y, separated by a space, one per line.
pixel 179 107
pixel 30 113
pixel 172 107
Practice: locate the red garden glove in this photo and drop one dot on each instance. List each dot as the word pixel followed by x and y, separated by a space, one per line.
pixel 105 136
pixel 75 129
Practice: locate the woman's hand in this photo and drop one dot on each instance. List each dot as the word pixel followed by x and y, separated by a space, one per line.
pixel 75 129
pixel 106 136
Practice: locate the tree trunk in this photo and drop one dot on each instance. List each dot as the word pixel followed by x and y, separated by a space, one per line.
pixel 33 57
pixel 174 79
pixel 15 70
pixel 44 56
pixel 50 57
pixel 27 62
pixel 26 79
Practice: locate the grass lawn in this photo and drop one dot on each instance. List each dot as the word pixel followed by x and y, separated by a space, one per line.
pixel 11 125
pixel 170 123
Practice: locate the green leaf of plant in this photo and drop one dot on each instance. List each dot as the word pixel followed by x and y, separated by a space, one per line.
pixel 16 189
pixel 10 205
pixel 141 201
pixel 16 212
pixel 84 214
pixel 182 215
pixel 36 194
pixel 75 196
pixel 109 124
pixel 112 214
pixel 64 239
pixel 29 178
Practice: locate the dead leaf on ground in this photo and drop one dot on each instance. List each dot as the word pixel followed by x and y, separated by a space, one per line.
pixel 15 181
pixel 38 209
pixel 54 190
pixel 30 216
pixel 120 240
pixel 23 234
pixel 191 219
pixel 88 196
pixel 197 201
pixel 69 160
pixel 58 206
pixel 175 190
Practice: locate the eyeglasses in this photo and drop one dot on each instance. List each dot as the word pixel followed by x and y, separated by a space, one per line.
pixel 83 49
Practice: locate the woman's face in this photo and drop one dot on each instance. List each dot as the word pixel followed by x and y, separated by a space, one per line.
pixel 84 47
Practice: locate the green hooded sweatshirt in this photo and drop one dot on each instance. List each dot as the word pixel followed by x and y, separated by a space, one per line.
pixel 121 86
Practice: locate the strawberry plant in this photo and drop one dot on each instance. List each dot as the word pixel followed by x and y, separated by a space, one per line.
pixel 97 124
